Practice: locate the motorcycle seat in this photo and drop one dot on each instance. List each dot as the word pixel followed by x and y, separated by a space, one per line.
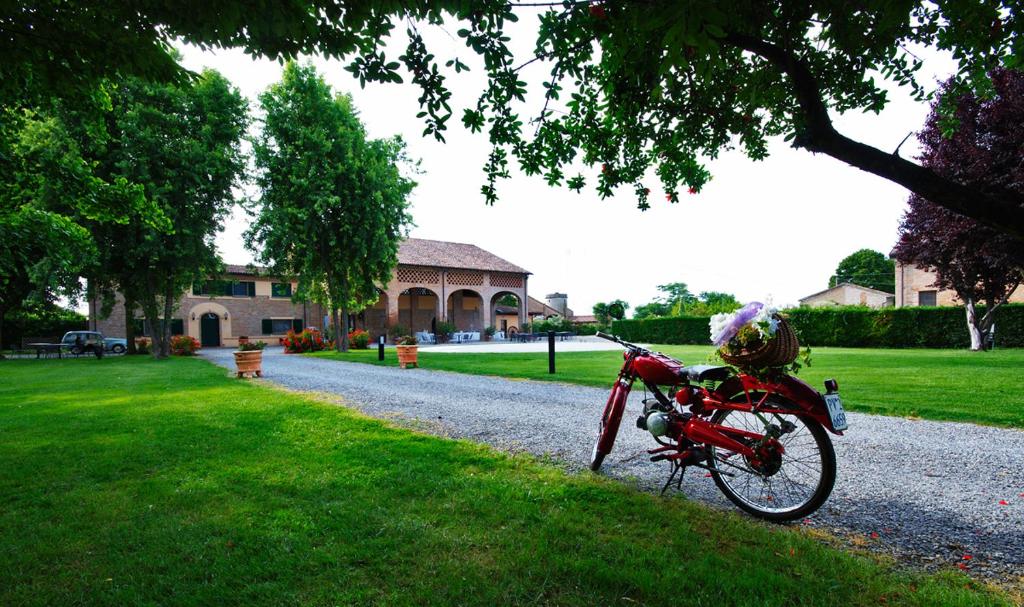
pixel 703 373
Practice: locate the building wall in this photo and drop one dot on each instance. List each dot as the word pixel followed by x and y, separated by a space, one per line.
pixel 449 286
pixel 911 280
pixel 847 296
pixel 237 315
pixel 465 296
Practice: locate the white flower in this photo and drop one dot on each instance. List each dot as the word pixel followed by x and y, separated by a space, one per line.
pixel 718 324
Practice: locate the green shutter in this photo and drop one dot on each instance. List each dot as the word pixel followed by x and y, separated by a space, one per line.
pixel 251 288
pixel 268 326
pixel 297 325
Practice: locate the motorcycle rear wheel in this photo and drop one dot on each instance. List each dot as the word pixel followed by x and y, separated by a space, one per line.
pixel 794 486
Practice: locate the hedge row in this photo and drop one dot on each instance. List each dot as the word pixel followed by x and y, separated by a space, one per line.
pixel 17 327
pixel 856 327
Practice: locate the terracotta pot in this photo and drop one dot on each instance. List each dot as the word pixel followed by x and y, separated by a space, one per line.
pixel 250 361
pixel 242 339
pixel 407 355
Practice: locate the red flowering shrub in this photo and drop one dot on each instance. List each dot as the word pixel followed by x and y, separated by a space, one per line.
pixel 184 345
pixel 359 339
pixel 308 340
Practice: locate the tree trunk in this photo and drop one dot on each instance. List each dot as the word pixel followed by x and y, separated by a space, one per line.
pixel 165 325
pixel 152 315
pixel 973 326
pixel 343 340
pixel 336 322
pixel 129 327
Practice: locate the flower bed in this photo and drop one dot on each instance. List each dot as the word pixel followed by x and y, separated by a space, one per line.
pixel 184 345
pixel 308 340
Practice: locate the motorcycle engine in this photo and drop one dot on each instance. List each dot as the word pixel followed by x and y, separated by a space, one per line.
pixel 658 423
pixel 655 418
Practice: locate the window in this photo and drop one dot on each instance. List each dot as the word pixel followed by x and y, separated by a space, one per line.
pixel 232 288
pixel 926 298
pixel 280 326
pixel 143 329
pixel 243 289
pixel 280 289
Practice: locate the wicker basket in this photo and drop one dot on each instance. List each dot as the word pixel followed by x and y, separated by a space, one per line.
pixel 779 351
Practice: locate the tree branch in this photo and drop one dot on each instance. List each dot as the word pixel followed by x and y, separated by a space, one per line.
pixel 1001 210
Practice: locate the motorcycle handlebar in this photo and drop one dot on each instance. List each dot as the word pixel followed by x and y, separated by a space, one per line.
pixel 617 340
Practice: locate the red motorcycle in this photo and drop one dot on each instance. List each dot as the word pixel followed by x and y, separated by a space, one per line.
pixel 763 441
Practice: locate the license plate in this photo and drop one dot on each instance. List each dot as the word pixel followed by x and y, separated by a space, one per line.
pixel 836 412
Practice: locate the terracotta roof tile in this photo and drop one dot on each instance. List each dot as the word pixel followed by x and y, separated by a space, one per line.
pixel 438 253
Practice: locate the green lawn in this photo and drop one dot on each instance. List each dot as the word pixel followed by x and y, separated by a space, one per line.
pixel 954 385
pixel 130 481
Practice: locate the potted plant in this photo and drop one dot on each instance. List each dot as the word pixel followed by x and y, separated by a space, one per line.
pixel 243 339
pixel 444 330
pixel 408 351
pixel 249 358
pixel 489 332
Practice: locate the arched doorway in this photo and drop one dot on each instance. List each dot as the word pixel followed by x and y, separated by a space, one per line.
pixel 417 309
pixel 466 310
pixel 209 330
pixel 505 309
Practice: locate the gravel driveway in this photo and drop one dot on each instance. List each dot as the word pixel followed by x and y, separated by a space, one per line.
pixel 930 492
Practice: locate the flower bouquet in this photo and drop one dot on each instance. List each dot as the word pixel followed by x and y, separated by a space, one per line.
pixel 755 336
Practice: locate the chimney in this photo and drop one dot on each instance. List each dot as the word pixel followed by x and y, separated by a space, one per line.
pixel 558 301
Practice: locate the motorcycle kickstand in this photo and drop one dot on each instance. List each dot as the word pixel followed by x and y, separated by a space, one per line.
pixel 679 469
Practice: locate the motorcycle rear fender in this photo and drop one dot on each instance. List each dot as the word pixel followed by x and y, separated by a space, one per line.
pixel 797 391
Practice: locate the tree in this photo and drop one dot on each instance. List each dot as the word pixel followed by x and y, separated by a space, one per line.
pixel 706 78
pixel 605 312
pixel 866 268
pixel 978 262
pixel 333 204
pixel 47 194
pixel 652 309
pixel 181 145
pixel 677 296
pixel 709 303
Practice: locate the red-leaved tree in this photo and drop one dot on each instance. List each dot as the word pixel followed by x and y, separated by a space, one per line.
pixel 981 264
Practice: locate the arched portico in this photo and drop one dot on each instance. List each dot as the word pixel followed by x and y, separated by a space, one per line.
pixel 417 309
pixel 466 310
pixel 506 310
pixel 209 309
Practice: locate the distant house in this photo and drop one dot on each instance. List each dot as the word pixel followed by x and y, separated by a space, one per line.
pixel 916 287
pixel 849 294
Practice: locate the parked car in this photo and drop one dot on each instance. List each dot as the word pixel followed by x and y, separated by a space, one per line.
pixel 80 342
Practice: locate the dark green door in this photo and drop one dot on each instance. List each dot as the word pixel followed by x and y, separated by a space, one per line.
pixel 209 330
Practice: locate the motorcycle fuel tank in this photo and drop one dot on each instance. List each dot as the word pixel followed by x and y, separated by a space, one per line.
pixel 659 369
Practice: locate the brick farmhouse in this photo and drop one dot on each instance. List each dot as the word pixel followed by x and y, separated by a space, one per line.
pixel 434 281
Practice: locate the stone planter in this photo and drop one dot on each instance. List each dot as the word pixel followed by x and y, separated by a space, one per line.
pixel 407 355
pixel 250 362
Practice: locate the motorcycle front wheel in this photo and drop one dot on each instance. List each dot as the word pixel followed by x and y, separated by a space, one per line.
pixel 791 478
pixel 611 417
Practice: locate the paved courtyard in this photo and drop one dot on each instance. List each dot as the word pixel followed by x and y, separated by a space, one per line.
pixel 928 492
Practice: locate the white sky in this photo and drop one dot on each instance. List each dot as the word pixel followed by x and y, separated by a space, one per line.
pixel 773 228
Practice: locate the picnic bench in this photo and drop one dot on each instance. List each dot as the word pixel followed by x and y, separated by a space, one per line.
pixel 43 345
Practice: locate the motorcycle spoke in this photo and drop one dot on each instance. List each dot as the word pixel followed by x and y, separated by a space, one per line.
pixel 799 467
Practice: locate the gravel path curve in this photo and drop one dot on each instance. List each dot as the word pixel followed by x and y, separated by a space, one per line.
pixel 928 492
